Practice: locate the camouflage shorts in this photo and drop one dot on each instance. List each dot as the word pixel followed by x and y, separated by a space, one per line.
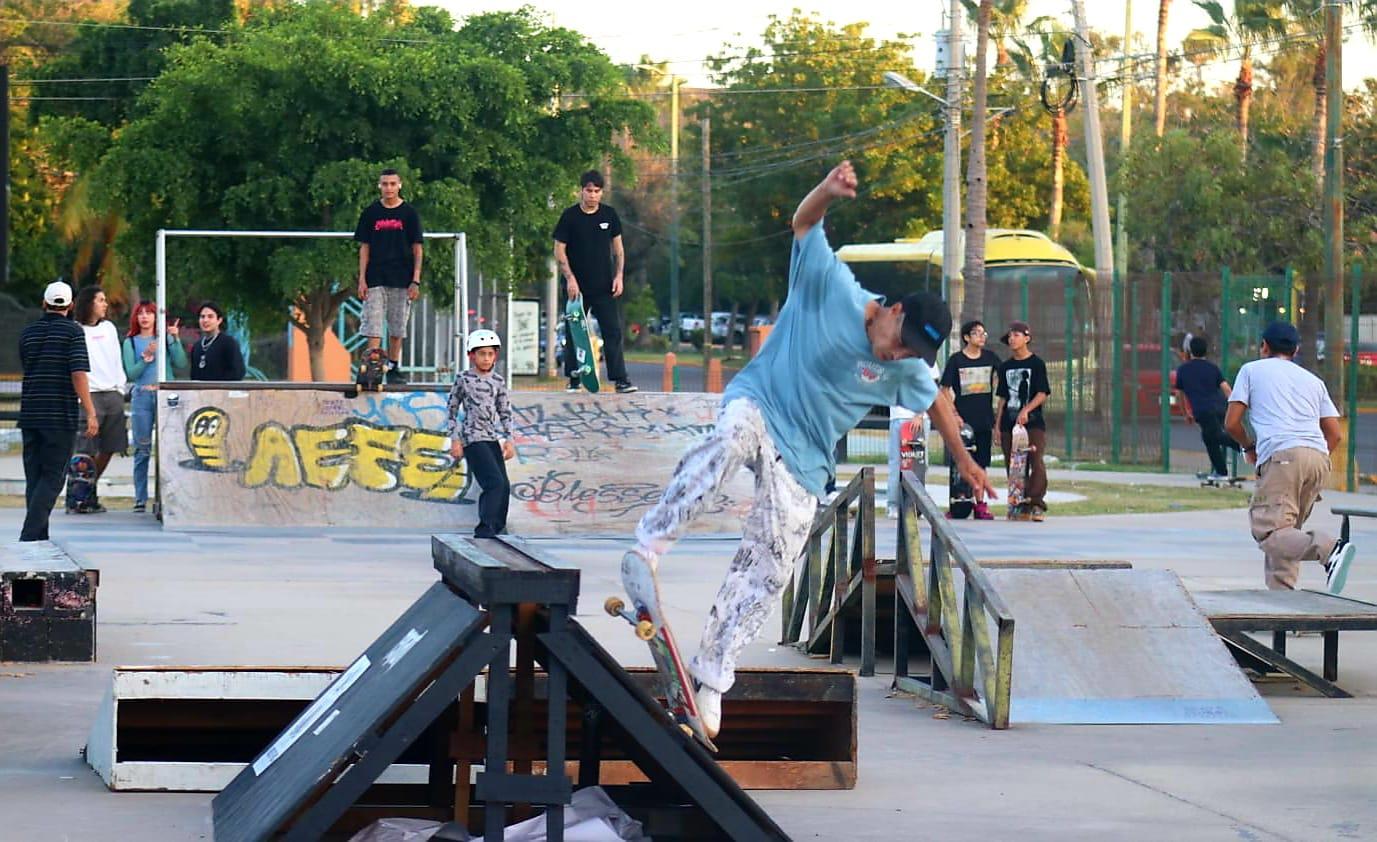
pixel 386 305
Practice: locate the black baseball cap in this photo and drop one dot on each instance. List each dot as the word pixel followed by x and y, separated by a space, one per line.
pixel 1284 333
pixel 927 323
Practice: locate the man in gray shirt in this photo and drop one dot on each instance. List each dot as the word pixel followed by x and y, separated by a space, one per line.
pixel 1297 428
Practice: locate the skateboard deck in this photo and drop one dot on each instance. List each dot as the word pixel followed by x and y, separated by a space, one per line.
pixel 959 492
pixel 81 483
pixel 645 616
pixel 372 370
pixel 1206 481
pixel 585 364
pixel 1018 474
pixel 913 447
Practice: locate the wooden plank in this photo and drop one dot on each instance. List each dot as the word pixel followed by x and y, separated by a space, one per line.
pixel 1238 605
pixel 748 774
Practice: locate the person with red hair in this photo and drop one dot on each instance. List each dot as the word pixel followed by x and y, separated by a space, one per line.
pixel 140 352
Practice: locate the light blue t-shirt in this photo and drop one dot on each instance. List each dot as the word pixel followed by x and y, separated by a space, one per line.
pixel 816 376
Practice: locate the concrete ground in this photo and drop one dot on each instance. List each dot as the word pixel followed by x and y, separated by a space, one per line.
pixel 314 597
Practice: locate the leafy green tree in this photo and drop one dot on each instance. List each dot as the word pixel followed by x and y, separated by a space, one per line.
pixel 1250 22
pixel 820 99
pixel 286 125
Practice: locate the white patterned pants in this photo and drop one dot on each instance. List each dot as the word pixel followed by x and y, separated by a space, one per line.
pixel 772 540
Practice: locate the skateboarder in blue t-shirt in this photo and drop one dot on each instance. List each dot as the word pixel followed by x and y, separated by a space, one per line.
pixel 835 351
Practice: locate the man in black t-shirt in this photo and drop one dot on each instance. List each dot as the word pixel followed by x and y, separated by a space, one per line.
pixel 390 236
pixel 588 251
pixel 1206 394
pixel 969 380
pixel 1023 389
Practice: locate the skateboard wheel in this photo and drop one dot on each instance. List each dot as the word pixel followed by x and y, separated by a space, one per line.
pixel 613 606
pixel 645 630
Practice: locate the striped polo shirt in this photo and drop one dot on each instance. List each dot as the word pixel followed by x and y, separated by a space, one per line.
pixel 50 349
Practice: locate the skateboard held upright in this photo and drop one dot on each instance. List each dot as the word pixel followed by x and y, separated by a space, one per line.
pixel 1019 469
pixel 647 617
pixel 960 495
pixel 81 484
pixel 585 364
pixel 913 447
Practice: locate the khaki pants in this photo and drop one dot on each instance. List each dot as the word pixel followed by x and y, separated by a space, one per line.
pixel 1288 486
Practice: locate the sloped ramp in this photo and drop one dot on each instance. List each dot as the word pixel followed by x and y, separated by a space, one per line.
pixel 1119 647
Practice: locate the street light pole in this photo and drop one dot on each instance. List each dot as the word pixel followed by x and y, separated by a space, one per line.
pixel 674 213
pixel 953 288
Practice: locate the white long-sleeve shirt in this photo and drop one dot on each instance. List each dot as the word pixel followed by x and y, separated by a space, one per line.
pixel 107 360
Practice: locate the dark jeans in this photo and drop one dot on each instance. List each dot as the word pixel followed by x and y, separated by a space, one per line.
pixel 604 309
pixel 46 453
pixel 1217 442
pixel 490 470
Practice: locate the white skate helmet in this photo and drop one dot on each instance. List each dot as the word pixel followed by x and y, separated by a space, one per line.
pixel 482 339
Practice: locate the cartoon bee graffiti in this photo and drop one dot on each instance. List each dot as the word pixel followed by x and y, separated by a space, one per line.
pixel 207 431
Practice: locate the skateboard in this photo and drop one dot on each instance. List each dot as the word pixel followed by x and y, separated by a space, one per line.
pixel 1019 469
pixel 372 370
pixel 645 616
pixel 913 447
pixel 960 495
pixel 1207 481
pixel 586 368
pixel 81 484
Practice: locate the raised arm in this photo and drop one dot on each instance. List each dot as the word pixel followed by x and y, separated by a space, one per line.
pixel 840 183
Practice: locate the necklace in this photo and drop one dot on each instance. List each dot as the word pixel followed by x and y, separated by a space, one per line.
pixel 205 346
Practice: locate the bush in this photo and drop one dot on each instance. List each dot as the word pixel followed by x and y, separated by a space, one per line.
pixel 648 341
pixel 695 338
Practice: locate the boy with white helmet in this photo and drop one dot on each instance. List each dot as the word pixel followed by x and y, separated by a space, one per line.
pixel 480 430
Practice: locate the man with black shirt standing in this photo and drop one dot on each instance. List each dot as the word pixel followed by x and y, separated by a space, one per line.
pixel 588 251
pixel 1023 389
pixel 389 233
pixel 52 353
pixel 969 380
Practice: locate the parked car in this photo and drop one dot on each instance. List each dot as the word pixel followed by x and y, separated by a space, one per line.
pixel 690 322
pixel 720 320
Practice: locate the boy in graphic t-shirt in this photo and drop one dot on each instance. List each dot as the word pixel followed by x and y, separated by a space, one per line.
pixel 1023 389
pixel 835 352
pixel 389 236
pixel 969 380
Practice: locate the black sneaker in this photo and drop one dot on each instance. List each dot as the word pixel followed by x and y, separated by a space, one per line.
pixel 92 508
pixel 573 386
pixel 626 387
pixel 139 508
pixel 395 377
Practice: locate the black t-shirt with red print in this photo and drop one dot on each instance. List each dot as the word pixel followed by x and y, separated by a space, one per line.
pixel 389 233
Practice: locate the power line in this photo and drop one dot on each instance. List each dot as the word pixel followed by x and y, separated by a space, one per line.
pixel 78 81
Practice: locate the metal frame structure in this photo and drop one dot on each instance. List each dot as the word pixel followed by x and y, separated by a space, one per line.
pixel 460 274
pixel 972 671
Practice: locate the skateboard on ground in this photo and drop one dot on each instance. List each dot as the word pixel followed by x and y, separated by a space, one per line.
pixel 1210 481
pixel 645 616
pixel 913 447
pixel 585 364
pixel 372 370
pixel 1019 469
pixel 81 484
pixel 960 495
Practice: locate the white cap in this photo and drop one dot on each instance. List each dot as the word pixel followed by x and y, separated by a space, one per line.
pixel 58 294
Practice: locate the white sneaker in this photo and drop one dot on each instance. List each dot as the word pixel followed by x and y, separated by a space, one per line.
pixel 892 512
pixel 1339 560
pixel 709 703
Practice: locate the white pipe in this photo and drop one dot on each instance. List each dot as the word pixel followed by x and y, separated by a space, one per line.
pixel 160 358
pixel 461 295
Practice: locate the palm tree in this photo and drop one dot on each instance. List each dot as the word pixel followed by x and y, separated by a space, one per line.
pixel 1252 21
pixel 1033 64
pixel 1159 72
pixel 1006 19
pixel 974 271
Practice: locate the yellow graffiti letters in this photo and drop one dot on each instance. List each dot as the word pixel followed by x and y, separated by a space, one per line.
pixel 377 450
pixel 274 458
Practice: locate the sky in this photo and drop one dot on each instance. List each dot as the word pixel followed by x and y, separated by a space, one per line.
pixel 684 34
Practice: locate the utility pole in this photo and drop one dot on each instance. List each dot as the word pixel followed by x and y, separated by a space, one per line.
pixel 1334 202
pixel 952 286
pixel 5 187
pixel 674 213
pixel 1125 137
pixel 1094 150
pixel 707 246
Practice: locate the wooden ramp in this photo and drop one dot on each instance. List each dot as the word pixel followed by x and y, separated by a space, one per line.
pixel 1119 647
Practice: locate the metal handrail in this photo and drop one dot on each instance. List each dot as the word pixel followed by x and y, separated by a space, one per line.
pixel 971 672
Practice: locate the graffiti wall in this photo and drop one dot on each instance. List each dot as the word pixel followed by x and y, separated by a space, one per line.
pixel 585 464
